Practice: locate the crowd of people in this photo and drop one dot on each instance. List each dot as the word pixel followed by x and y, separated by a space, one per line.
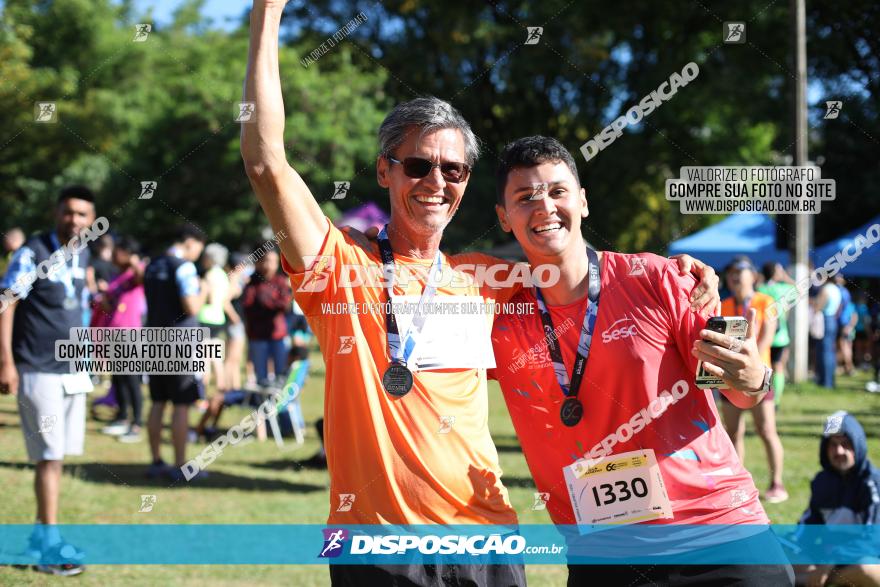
pixel 114 283
pixel 251 306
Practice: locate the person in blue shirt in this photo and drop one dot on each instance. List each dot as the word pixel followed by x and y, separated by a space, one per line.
pixel 38 307
pixel 174 298
pixel 846 323
pixel 826 303
pixel 845 491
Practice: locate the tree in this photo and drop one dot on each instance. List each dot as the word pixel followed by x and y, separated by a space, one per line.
pixel 163 110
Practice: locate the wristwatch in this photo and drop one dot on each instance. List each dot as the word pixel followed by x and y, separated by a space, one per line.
pixel 768 375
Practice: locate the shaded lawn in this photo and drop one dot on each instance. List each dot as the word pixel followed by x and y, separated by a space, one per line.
pixel 261 484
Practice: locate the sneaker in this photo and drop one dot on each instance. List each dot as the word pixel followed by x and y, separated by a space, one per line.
pixel 130 437
pixel 872 387
pixel 65 570
pixel 63 560
pixel 776 494
pixel 117 428
pixel 157 470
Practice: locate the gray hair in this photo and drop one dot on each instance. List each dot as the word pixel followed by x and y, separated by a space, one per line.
pixel 217 253
pixel 428 114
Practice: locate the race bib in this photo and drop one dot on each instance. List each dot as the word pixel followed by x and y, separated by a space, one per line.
pixel 456 335
pixel 74 383
pixel 625 488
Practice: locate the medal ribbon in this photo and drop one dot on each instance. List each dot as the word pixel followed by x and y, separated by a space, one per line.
pixel 570 385
pixel 401 347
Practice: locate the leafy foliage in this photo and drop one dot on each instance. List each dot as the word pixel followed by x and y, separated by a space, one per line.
pixel 163 109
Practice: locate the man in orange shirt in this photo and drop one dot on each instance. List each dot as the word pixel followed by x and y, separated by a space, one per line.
pixel 406 407
pixel 741 276
pixel 388 461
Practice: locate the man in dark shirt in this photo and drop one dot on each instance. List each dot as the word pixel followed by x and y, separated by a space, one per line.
pixel 44 298
pixel 174 298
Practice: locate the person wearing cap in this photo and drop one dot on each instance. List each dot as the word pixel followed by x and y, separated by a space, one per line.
pixel 741 277
pixel 845 491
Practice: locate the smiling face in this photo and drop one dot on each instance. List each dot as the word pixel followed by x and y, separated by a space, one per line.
pixel 841 453
pixel 423 207
pixel 543 207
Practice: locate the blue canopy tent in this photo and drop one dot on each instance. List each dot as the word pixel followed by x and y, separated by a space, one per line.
pixel 868 262
pixel 738 234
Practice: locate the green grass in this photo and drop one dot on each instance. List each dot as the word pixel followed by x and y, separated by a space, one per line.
pixel 259 483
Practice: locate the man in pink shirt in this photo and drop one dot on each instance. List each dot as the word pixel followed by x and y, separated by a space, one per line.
pixel 607 393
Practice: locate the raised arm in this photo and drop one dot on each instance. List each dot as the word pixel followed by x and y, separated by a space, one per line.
pixel 283 195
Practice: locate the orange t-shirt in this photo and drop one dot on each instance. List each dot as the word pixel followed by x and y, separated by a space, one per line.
pixel 387 450
pixel 760 302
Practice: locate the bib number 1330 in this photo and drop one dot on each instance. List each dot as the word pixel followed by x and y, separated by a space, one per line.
pixel 619 491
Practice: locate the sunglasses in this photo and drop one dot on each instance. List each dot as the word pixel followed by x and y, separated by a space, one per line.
pixel 417 168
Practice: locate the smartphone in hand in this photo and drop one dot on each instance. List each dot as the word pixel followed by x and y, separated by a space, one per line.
pixel 733 326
